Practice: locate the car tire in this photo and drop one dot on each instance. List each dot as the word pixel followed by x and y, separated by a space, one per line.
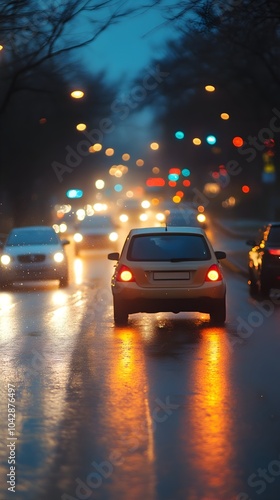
pixel 264 289
pixel 120 315
pixel 63 282
pixel 253 286
pixel 218 313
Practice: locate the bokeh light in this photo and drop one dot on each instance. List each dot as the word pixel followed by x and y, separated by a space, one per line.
pixel 237 141
pixel 210 88
pixel 196 141
pixel 77 94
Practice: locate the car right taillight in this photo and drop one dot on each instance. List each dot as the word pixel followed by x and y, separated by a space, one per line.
pixel 124 274
pixel 213 274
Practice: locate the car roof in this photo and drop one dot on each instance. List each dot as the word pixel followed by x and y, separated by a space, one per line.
pixel 169 229
pixel 274 224
pixel 35 228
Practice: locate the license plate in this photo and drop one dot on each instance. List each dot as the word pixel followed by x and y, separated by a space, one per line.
pixel 172 275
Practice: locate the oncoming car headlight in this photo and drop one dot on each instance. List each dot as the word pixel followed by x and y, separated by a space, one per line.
pixel 160 217
pixel 78 237
pixel 63 227
pixel 5 259
pixel 201 218
pixel 123 218
pixel 113 236
pixel 58 257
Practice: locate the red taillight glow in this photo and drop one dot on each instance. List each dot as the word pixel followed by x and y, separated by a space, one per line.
pixel 214 274
pixel 274 251
pixel 125 274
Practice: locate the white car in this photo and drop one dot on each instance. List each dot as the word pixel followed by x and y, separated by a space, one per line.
pixel 168 269
pixel 95 232
pixel 33 253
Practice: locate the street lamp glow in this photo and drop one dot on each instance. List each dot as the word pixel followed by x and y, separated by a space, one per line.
pixel 224 116
pixel 1 47
pixel 154 146
pixel 209 88
pixel 109 152
pixel 77 94
pixel 81 127
pixel 125 157
pixel 99 184
pixel 196 141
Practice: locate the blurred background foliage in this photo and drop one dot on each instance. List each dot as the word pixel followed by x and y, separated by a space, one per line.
pixel 231 45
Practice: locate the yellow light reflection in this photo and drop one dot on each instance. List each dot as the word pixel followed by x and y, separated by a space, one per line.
pixel 78 271
pixel 5 302
pixel 210 418
pixel 59 298
pixel 131 419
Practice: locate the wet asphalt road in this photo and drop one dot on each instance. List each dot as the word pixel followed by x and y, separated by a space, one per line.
pixel 166 408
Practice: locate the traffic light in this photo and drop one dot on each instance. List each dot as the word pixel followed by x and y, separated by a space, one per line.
pixel 74 193
pixel 211 139
pixel 179 134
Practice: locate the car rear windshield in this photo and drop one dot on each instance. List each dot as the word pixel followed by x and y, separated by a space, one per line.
pixel 98 221
pixel 38 237
pixel 274 235
pixel 170 247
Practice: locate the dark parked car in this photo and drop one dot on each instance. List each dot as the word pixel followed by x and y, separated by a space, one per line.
pixel 264 260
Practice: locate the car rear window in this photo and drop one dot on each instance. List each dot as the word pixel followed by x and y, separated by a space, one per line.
pixel 274 235
pixel 154 247
pixel 98 221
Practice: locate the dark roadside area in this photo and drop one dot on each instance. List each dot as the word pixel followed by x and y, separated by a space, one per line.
pixel 237 233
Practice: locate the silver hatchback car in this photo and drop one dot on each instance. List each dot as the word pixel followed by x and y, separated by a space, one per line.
pixel 168 269
pixel 33 253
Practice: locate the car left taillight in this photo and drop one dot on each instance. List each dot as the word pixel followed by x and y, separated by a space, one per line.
pixel 274 251
pixel 213 274
pixel 124 274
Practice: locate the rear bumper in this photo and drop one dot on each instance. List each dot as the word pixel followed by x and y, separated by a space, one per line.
pixel 169 300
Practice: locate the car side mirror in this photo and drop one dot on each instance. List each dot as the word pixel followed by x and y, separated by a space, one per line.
pixel 113 256
pixel 65 242
pixel 220 255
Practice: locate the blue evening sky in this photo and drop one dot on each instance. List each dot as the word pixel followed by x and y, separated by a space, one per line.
pixel 128 47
